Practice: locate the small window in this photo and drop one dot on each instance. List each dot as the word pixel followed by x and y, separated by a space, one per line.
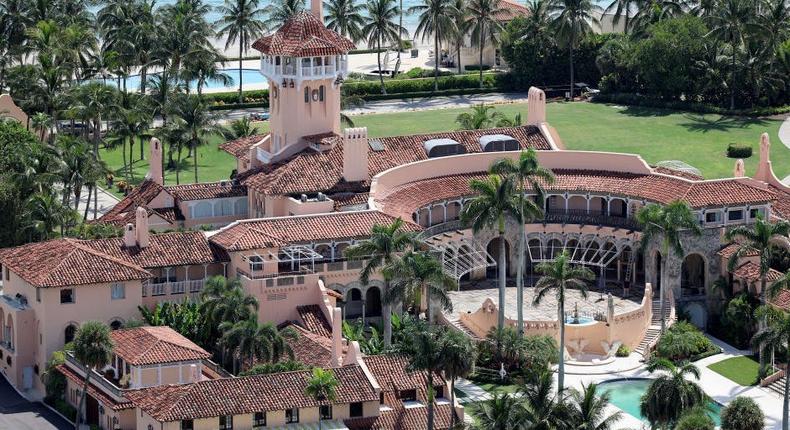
pixel 307 94
pixel 226 422
pixel 187 425
pixel 711 217
pixel 256 262
pixel 259 420
pixel 67 295
pixel 321 93
pixel 325 411
pixel 408 395
pixel 754 213
pixel 735 215
pixel 439 390
pixel 355 409
pixel 292 415
pixel 118 291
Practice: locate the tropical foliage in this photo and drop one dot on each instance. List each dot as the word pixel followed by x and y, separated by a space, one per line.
pixel 742 413
pixel 672 393
pixel 682 341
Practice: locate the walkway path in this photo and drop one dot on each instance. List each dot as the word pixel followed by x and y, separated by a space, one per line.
pixel 784 133
pixel 472 392
pixel 105 199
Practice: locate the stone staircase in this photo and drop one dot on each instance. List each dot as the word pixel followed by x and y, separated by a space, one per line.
pixel 777 387
pixel 654 331
pixel 455 322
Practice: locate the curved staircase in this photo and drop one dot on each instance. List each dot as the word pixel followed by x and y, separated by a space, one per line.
pixel 654 331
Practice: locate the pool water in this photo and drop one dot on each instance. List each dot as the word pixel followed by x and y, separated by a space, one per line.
pixel 569 319
pixel 626 394
pixel 249 77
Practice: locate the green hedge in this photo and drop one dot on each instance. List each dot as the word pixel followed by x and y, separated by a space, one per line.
pixel 427 94
pixel 739 150
pixel 402 86
pixel 476 67
pixel 645 101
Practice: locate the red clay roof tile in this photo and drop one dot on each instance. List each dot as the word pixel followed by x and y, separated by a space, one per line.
pixel 142 346
pixel 304 35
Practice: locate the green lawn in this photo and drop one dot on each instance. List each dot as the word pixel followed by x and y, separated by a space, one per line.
pixel 741 370
pixel 655 134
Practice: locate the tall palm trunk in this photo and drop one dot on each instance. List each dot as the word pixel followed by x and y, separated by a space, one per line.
pixel 661 294
pixel 458 55
pixel 733 80
pixel 195 162
pixel 482 45
pixel 131 156
pixel 561 366
pixel 763 322
pixel 387 319
pixel 241 53
pixel 428 313
pixel 571 62
pixel 430 399
pixel 452 401
pixel 502 273
pixel 520 277
pixel 400 30
pixel 178 156
pixel 126 166
pixel 87 203
pixel 82 398
pixel 95 201
pixel 378 58
pixel 142 148
pixel 437 55
pixel 143 77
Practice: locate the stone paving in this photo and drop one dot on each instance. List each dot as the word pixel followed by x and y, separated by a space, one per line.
pixel 471 300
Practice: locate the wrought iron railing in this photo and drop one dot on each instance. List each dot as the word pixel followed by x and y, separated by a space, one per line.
pixel 593 217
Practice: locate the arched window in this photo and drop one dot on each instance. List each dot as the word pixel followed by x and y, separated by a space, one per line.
pixel 307 94
pixel 116 324
pixel 69 333
pixel 321 93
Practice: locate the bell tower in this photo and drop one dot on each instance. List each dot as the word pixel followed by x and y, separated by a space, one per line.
pixel 305 64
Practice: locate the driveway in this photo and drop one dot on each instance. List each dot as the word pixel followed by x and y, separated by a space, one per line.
pixel 19 414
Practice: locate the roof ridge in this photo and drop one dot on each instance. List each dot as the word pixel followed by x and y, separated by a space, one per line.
pixel 78 244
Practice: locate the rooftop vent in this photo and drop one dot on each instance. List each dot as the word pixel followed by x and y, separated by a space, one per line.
pixel 498 142
pixel 442 148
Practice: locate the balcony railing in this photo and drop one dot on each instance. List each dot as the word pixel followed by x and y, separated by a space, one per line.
pixel 296 71
pixel 179 287
pixel 96 378
pixel 581 216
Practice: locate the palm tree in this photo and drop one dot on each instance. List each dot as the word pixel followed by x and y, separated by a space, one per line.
pixel 481 116
pixel 572 19
pixel 239 128
pixel 425 354
pixel 195 122
pixel 381 250
pixel 126 125
pixel 494 202
pixel 42 123
pixel 345 17
pixel 322 387
pixel 380 29
pixel 765 239
pixel 92 348
pixel 222 300
pixel 251 341
pixel 484 25
pixel 435 19
pixel 95 100
pixel 526 172
pixel 241 21
pixel 671 394
pixel 777 332
pixel 461 18
pixel 666 224
pixel 730 23
pixel 458 360
pixel 503 411
pixel 45 213
pixel 588 409
pixel 541 408
pixel 559 275
pixel 621 9
pixel 281 11
pixel 204 66
pixel 419 274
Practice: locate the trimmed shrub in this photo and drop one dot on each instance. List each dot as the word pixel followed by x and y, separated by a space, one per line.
pixel 742 413
pixel 402 86
pixel 683 341
pixel 739 150
pixel 695 419
pixel 476 67
pixel 419 72
pixel 623 351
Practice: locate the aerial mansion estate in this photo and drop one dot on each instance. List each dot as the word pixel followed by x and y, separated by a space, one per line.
pixel 305 192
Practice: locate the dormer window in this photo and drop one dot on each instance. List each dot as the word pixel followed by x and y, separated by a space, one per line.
pixel 256 262
pixel 408 395
pixel 442 148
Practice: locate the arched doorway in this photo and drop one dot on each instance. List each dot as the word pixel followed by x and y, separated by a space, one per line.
pixel 658 262
pixel 353 303
pixel 493 250
pixel 116 324
pixel 373 302
pixel 692 275
pixel 69 333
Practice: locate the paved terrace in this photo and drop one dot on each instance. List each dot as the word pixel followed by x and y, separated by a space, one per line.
pixel 471 300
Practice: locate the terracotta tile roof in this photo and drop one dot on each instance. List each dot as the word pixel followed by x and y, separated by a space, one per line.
pixel 92 390
pixel 164 249
pixel 401 418
pixel 273 232
pixel 781 206
pixel 244 395
pixel 751 272
pixel 509 10
pixel 241 146
pixel 653 188
pixel 350 200
pixel 310 171
pixel 207 190
pixel 310 348
pixel 141 346
pixel 729 250
pixel 782 300
pixel 392 376
pixel 314 320
pixel 124 211
pixel 170 215
pixel 304 35
pixel 68 262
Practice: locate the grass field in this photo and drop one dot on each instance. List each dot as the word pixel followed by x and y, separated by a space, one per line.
pixel 741 370
pixel 655 134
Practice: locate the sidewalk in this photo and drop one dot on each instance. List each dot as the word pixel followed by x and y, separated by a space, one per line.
pixel 105 199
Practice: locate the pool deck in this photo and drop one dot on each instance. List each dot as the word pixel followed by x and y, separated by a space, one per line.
pixel 716 386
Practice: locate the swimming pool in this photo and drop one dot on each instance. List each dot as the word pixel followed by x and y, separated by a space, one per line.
pixel 571 320
pixel 626 394
pixel 249 77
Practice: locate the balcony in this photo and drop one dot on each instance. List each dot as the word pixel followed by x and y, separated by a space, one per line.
pixel 279 68
pixel 97 379
pixel 173 288
pixel 583 217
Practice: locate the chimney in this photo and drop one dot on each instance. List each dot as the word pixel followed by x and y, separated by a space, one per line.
pixel 129 238
pixel 740 169
pixel 317 8
pixel 355 154
pixel 764 171
pixel 536 106
pixel 337 337
pixel 155 162
pixel 141 227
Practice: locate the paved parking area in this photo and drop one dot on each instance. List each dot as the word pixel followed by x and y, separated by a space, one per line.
pixel 19 414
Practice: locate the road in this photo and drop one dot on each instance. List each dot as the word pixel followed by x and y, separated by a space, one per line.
pixel 16 413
